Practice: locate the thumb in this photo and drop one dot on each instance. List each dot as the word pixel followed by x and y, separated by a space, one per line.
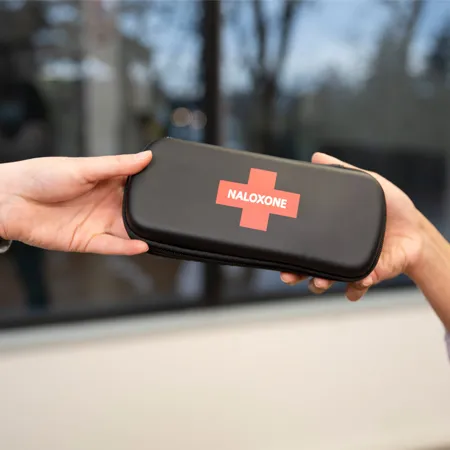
pixel 99 168
pixel 322 158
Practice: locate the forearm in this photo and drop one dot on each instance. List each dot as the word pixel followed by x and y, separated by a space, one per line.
pixel 431 272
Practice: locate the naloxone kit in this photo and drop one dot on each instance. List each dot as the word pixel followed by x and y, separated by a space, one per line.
pixel 207 203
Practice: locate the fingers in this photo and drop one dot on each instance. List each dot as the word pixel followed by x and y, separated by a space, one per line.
pixel 315 285
pixel 99 168
pixel 106 244
pixel 354 291
pixel 292 279
pixel 322 158
pixel 319 285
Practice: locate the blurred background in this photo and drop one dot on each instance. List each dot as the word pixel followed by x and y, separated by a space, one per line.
pixel 367 81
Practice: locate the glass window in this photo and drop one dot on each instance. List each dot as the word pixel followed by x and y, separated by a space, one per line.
pixel 365 81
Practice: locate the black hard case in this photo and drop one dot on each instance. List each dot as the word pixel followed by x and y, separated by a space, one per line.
pixel 337 232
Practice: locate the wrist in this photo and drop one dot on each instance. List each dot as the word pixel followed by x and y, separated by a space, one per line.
pixel 4 201
pixel 430 244
pixel 3 232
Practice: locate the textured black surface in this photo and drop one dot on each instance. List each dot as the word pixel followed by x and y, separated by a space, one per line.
pixel 337 232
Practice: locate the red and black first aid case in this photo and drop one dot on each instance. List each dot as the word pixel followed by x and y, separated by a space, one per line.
pixel 208 203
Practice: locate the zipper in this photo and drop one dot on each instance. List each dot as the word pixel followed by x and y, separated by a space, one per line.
pixel 217 259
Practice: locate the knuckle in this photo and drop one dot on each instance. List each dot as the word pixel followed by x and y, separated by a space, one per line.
pixel 119 160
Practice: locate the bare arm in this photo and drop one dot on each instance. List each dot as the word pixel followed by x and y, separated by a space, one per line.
pixel 412 246
pixel 431 272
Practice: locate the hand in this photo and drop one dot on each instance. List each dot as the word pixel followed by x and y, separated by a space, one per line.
pixel 402 245
pixel 69 204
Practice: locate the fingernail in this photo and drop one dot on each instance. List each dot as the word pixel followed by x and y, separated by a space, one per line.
pixel 319 283
pixel 144 155
pixel 367 282
pixel 288 279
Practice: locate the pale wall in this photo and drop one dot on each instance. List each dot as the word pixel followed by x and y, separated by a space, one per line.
pixel 322 375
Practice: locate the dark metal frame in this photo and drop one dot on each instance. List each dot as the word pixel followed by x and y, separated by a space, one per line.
pixel 211 32
pixel 165 306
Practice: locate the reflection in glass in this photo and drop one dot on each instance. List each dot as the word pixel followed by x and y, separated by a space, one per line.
pixel 366 81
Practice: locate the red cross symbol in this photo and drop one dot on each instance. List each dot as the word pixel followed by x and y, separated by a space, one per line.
pixel 258 199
